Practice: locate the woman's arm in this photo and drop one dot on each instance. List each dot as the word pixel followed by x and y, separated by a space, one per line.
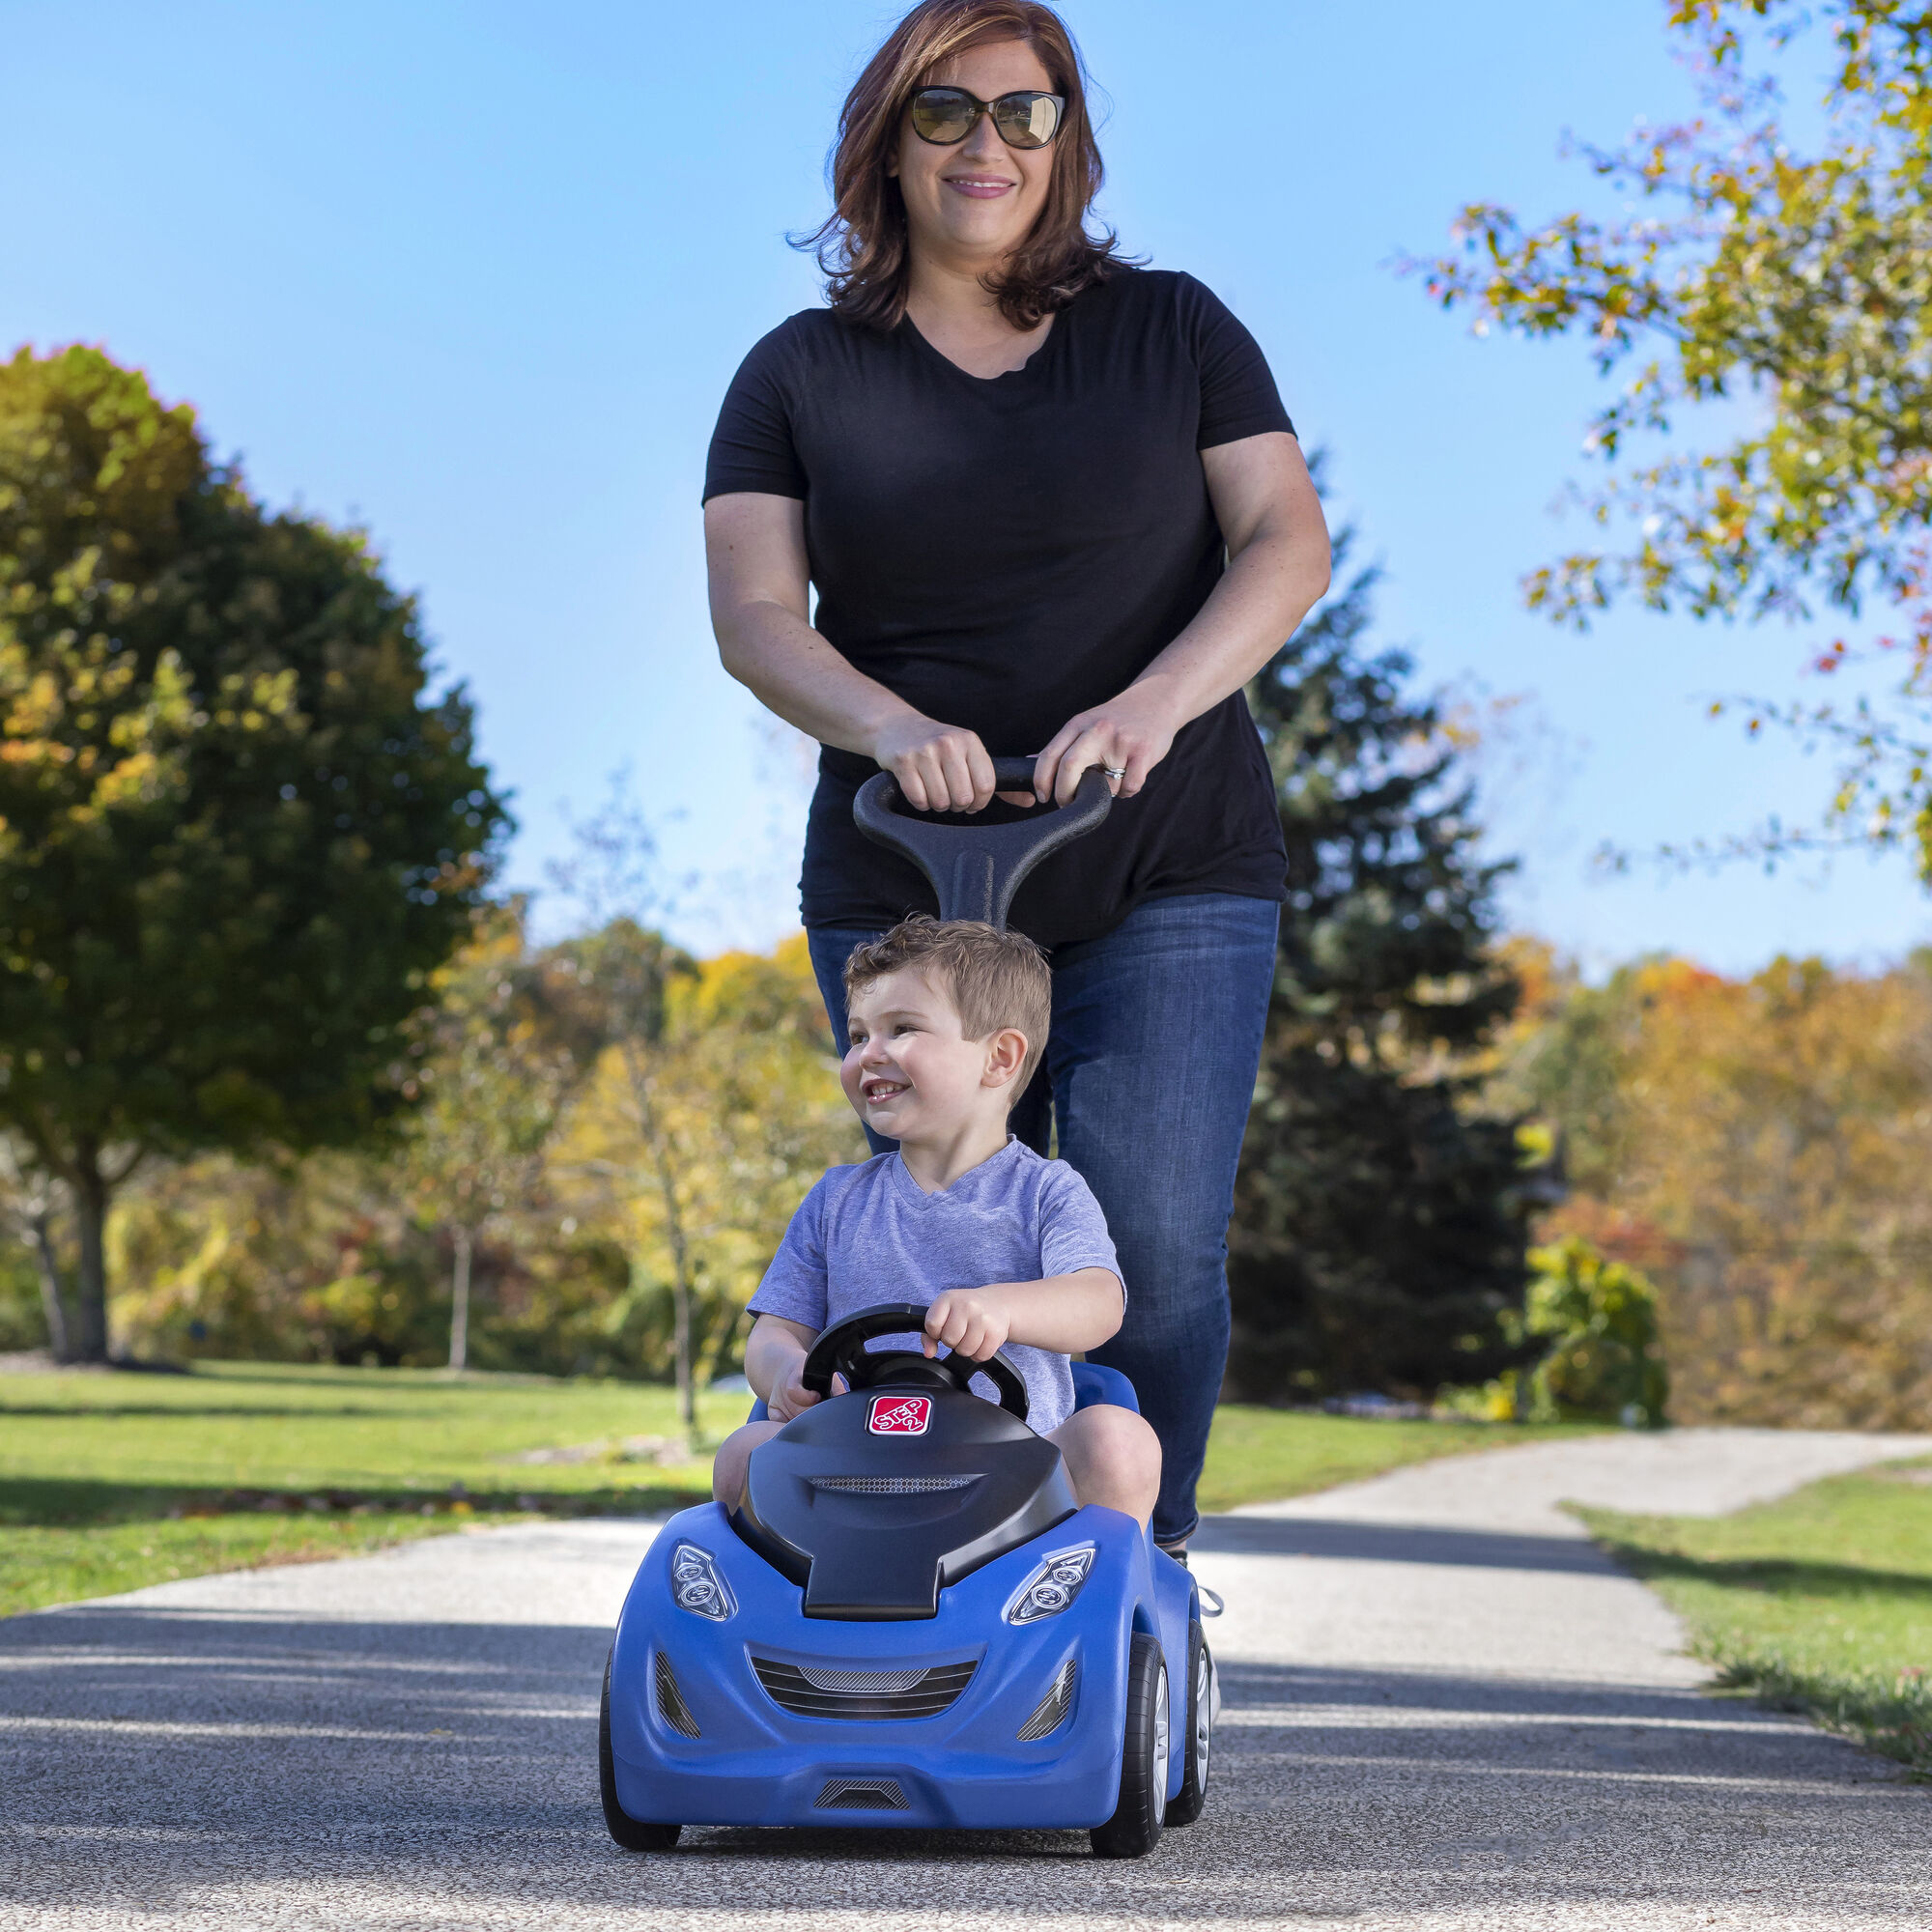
pixel 1277 538
pixel 754 547
pixel 1066 1314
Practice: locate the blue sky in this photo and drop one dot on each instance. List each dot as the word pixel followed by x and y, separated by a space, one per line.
pixel 477 274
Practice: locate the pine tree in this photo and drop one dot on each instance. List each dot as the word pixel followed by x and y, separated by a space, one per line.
pixel 1378 1229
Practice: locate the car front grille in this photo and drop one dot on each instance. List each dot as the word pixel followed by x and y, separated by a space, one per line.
pixel 889 1485
pixel 819 1690
pixel 861 1794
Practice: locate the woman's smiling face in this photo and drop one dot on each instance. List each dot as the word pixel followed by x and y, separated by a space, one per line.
pixel 978 200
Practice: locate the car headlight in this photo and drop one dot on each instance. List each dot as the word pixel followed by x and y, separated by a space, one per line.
pixel 697 1586
pixel 1052 1586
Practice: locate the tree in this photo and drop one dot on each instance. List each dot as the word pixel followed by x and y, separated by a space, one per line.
pixel 237 833
pixel 1379 1223
pixel 1796 274
pixel 1758 1146
pixel 28 1201
pixel 624 969
pixel 346 1254
pixel 702 1133
pixel 490 1082
pixel 1603 1363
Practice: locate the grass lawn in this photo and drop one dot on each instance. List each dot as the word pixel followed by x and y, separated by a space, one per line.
pixel 108 1482
pixel 1262 1455
pixel 1820 1603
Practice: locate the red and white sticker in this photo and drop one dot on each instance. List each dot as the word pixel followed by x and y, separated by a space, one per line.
pixel 900 1414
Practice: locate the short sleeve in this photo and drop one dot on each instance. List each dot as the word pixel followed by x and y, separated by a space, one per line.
pixel 1072 1230
pixel 751 448
pixel 1239 397
pixel 795 1285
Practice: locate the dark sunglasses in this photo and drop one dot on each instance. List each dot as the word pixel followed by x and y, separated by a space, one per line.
pixel 945 114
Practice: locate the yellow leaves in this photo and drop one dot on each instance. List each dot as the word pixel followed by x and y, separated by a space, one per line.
pixel 80 728
pixel 255 701
pixel 38 752
pixel 1766 1167
pixel 712 1135
pixel 138 780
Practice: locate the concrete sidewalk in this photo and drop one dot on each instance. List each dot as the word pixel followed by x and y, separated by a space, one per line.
pixel 1444 1708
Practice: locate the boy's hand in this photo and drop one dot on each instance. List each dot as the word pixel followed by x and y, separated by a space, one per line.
pixel 793 1398
pixel 971 1321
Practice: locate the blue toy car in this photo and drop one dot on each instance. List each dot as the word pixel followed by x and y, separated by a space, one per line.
pixel 909 1619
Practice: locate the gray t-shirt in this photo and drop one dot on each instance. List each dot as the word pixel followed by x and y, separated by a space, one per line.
pixel 870 1234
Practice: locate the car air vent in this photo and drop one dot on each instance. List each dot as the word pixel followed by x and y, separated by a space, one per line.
pixel 1053 1707
pixel 890 1486
pixel 861 1794
pixel 825 1691
pixel 671 1707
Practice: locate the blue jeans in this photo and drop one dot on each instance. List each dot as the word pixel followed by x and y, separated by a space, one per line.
pixel 1150 1072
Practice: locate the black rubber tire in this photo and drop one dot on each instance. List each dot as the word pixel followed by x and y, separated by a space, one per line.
pixel 1197 1756
pixel 633 1834
pixel 1134 1829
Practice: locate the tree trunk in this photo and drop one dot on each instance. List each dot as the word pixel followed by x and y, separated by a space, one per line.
pixel 664 1158
pixel 687 1382
pixel 459 1307
pixel 50 1287
pixel 91 1194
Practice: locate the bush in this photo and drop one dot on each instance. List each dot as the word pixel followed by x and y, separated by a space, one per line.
pixel 1603 1363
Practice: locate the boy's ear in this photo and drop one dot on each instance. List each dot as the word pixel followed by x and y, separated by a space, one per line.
pixel 1006 1055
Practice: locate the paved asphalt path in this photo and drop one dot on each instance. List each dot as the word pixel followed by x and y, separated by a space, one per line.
pixel 1444 1708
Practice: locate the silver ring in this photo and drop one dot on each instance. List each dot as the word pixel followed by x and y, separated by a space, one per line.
pixel 1115 770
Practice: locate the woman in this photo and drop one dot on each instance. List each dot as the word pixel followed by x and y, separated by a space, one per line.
pixel 1047 500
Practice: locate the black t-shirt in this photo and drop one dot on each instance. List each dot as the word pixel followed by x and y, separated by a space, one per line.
pixel 1003 553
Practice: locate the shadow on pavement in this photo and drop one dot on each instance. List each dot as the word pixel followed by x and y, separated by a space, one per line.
pixel 184 1768
pixel 1398 1543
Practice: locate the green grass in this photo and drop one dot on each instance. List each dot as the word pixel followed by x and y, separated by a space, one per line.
pixel 1261 1455
pixel 1820 1603
pixel 109 1482
pixel 46 1563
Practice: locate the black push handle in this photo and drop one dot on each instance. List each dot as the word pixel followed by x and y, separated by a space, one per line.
pixel 841 1351
pixel 976 870
pixel 1013 773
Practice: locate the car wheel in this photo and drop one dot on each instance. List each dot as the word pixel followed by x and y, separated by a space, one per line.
pixel 1198 1730
pixel 1134 1829
pixel 633 1834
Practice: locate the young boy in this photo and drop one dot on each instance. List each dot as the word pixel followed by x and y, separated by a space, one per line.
pixel 947 1022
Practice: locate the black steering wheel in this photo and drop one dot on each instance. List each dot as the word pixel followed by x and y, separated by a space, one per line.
pixel 840 1350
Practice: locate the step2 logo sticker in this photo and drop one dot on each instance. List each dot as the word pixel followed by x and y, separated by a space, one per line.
pixel 900 1414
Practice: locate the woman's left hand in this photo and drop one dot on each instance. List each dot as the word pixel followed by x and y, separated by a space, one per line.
pixel 1129 734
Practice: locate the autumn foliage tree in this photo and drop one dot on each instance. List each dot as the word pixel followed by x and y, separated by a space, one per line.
pixel 1758 1148
pixel 493 1072
pixel 1761 262
pixel 712 1109
pixel 236 830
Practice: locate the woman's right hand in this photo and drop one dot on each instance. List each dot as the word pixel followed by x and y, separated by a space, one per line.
pixel 939 767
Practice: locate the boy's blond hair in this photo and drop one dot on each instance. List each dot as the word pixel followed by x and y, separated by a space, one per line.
pixel 994 979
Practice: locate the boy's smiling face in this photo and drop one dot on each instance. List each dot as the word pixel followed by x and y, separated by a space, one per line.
pixel 910 1071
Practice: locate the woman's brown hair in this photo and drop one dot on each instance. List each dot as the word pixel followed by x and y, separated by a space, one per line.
pixel 863 247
